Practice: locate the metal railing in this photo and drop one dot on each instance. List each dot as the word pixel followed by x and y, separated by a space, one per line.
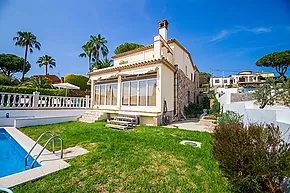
pixel 50 139
pixel 5 190
pixel 45 133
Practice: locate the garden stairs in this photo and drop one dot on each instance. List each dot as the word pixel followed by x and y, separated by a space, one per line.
pixel 91 116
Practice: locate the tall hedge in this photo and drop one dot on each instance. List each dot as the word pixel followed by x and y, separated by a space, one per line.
pixel 26 90
pixel 78 80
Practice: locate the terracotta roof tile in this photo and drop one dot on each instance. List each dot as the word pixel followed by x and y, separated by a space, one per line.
pixel 173 40
pixel 133 65
pixel 52 77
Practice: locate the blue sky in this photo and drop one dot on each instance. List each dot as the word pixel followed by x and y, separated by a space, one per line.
pixel 223 35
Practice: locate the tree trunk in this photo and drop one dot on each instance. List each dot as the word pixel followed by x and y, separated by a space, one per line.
pixel 24 64
pixel 46 70
pixel 282 69
pixel 97 57
pixel 89 63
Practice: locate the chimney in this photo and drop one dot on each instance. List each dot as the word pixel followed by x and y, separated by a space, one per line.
pixel 163 27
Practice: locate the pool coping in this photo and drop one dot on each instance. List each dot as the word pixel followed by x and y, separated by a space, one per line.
pixel 49 162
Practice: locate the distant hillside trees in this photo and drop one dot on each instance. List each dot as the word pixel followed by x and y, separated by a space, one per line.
pixel 278 60
pixel 127 47
pixel 204 79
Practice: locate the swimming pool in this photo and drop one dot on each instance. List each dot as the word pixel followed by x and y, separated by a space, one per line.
pixel 12 155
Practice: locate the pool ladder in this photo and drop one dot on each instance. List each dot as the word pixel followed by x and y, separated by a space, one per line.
pixel 51 139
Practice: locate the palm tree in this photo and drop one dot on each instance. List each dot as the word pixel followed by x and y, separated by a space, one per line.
pixel 88 51
pixel 99 42
pixel 38 82
pixel 46 61
pixel 27 40
pixel 104 63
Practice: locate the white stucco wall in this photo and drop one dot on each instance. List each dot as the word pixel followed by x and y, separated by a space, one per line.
pixel 260 116
pixel 167 88
pixel 136 57
pixel 181 58
pixel 226 95
pixel 220 79
pixel 24 122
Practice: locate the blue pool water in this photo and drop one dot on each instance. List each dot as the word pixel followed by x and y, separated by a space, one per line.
pixel 11 155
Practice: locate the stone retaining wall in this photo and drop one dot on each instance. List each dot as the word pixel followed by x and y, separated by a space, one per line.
pixel 237 97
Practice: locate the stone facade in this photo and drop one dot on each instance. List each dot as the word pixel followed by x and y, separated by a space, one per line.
pixel 187 90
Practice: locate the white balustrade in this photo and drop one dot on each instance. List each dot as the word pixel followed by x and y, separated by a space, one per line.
pixel 26 101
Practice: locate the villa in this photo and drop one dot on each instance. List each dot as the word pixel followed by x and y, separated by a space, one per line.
pixel 243 77
pixel 155 80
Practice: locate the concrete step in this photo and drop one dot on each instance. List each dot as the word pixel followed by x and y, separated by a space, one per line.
pixel 91 116
pixel 122 127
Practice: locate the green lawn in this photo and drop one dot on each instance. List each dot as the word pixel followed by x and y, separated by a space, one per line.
pixel 146 159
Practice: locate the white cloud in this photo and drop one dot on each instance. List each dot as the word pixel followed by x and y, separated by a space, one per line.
pixel 225 33
pixel 221 35
pixel 256 30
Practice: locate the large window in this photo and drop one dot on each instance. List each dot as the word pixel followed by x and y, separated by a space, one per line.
pixel 106 94
pixel 125 93
pixel 133 93
pixel 142 93
pixel 103 94
pixel 139 93
pixel 151 92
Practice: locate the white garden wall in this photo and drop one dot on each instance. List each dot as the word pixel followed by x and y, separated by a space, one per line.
pixel 24 122
pixel 278 115
pixel 13 114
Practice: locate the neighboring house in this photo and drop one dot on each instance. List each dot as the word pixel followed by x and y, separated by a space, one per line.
pixel 244 77
pixel 53 78
pixel 148 81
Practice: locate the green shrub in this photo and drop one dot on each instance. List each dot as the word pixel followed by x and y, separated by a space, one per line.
pixel 215 107
pixel 5 80
pixel 230 117
pixel 211 94
pixel 193 110
pixel 205 86
pixel 205 103
pixel 254 158
pixel 26 90
pixel 78 80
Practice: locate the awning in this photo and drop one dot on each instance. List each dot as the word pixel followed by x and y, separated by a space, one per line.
pixel 128 73
pixel 139 71
pixel 107 76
